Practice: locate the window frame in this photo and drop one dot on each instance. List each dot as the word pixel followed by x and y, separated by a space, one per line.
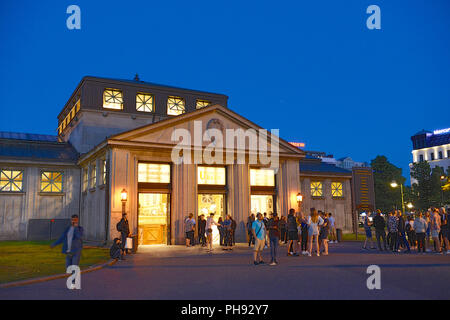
pixel 93 176
pixel 11 180
pixel 145 94
pixel 113 97
pixel 175 98
pixel 197 101
pixel 42 172
pixel 312 191
pixel 334 189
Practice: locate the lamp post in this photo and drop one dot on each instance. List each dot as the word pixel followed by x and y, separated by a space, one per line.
pixel 442 191
pixel 123 198
pixel 299 202
pixel 395 185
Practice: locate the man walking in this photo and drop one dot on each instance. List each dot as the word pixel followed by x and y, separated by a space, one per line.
pixel 72 240
pixel 274 237
pixel 124 228
pixel 259 233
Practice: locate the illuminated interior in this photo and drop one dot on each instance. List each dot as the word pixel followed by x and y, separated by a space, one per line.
pixel 93 176
pixel 112 99
pixel 144 102
pixel 11 180
pixel 336 189
pixel 154 172
pixel 152 216
pixel 316 189
pixel 211 175
pixel 212 203
pixel 262 177
pixel 175 106
pixel 51 181
pixel 202 103
pixel 262 203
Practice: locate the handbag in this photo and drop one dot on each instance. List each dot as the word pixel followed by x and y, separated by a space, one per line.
pixel 129 243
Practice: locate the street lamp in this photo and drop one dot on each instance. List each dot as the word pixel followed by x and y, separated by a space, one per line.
pixel 410 205
pixel 123 198
pixel 395 185
pixel 442 191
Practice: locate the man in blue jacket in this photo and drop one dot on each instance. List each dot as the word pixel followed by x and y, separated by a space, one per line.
pixel 72 240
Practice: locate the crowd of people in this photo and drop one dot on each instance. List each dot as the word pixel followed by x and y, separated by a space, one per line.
pixel 226 227
pixel 423 231
pixel 311 233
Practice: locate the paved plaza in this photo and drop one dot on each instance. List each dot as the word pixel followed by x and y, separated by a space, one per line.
pixel 176 272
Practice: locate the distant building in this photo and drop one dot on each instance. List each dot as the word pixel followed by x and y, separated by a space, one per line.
pixel 345 162
pixel 433 147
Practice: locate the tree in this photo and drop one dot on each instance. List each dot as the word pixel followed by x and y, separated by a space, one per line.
pixel 430 188
pixel 384 173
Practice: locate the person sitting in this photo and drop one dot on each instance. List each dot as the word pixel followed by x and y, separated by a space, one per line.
pixel 116 250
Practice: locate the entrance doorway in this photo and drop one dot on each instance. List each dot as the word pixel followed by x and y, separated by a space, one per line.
pixel 153 218
pixel 212 203
pixel 262 203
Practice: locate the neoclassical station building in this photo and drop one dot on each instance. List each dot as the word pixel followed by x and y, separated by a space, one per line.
pixel 114 153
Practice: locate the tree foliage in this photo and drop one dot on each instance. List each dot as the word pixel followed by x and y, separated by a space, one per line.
pixel 384 173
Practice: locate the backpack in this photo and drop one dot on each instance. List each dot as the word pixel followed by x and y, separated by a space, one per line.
pixel 119 226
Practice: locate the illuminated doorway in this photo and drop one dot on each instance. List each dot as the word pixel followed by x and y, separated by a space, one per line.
pixel 262 203
pixel 153 218
pixel 212 203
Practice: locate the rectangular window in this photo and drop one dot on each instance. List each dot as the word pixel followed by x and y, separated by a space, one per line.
pixel 448 153
pixel 112 99
pixel 175 106
pixel 421 158
pixel 316 189
pixel 93 181
pixel 262 177
pixel 202 104
pixel 11 180
pixel 337 189
pixel 144 102
pixel 77 106
pixel 85 179
pixel 51 181
pixel 153 173
pixel 440 155
pixel 211 175
pixel 432 156
pixel 104 172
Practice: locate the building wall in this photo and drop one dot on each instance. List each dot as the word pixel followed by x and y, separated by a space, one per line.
pixel 341 208
pixel 17 208
pixel 184 191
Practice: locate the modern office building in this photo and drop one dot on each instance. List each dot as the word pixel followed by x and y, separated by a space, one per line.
pixel 433 147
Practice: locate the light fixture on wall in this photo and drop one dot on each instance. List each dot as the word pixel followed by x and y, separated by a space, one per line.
pixel 299 197
pixel 123 198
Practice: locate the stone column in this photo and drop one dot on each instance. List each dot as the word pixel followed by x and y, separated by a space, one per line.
pixel 183 199
pixel 239 197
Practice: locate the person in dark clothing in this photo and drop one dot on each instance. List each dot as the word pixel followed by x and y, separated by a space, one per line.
pixel 116 250
pixel 379 223
pixel 292 233
pixel 304 244
pixel 402 231
pixel 283 229
pixel 202 230
pixel 274 237
pixel 233 231
pixel 72 242
pixel 124 229
pixel 251 239
pixel 221 231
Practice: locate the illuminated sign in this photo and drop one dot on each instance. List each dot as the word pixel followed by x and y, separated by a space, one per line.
pixel 298 144
pixel 441 131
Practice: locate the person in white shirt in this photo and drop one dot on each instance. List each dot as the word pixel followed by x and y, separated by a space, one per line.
pixel 332 223
pixel 313 221
pixel 210 222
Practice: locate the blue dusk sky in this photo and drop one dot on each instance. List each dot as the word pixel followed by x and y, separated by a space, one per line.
pixel 309 68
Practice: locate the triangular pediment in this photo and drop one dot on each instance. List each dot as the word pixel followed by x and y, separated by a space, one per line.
pixel 196 124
